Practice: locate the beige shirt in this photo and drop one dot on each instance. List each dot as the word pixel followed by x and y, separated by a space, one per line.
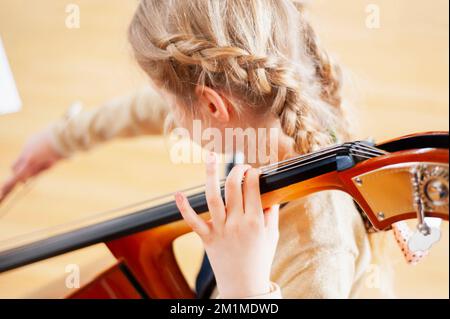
pixel 141 113
pixel 323 251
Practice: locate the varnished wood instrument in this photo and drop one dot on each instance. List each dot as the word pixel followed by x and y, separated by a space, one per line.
pixel 388 181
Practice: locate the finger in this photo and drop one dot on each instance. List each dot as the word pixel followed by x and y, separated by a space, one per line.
pixel 19 162
pixel 12 181
pixel 213 195
pixel 252 195
pixel 8 186
pixel 21 174
pixel 25 171
pixel 233 191
pixel 194 221
pixel 271 217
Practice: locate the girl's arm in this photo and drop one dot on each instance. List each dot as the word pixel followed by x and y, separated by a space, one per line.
pixel 141 113
pixel 240 238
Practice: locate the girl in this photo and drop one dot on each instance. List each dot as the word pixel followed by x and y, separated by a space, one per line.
pixel 241 64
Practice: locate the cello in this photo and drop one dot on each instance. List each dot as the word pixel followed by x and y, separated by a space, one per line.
pixel 413 167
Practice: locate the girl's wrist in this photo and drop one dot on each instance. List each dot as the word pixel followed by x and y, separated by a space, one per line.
pixel 245 290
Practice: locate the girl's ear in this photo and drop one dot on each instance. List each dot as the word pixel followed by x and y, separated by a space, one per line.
pixel 213 104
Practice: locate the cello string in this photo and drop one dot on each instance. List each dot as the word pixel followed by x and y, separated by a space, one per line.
pixel 265 169
pixel 310 162
pixel 297 160
pixel 365 156
pixel 362 154
pixel 286 169
pixel 301 157
pixel 139 203
pixel 201 187
pixel 300 161
pixel 359 145
pixel 198 187
pixel 356 152
pixel 296 164
pixel 304 157
pixel 373 150
pixel 326 149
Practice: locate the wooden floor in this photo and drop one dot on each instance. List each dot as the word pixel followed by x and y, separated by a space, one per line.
pixel 399 73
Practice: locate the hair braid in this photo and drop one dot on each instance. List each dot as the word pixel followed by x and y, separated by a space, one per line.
pixel 241 65
pixel 266 76
pixel 328 74
pixel 297 118
pixel 266 70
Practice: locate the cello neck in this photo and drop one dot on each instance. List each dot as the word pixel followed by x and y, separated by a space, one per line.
pixel 274 177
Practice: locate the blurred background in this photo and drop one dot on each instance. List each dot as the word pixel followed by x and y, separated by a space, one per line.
pixel 397 78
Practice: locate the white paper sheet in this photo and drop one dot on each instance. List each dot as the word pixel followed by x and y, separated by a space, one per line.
pixel 9 97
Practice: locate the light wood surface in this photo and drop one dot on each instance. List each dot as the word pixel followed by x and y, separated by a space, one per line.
pixel 399 73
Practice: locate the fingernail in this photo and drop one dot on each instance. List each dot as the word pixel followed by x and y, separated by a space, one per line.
pixel 275 207
pixel 178 198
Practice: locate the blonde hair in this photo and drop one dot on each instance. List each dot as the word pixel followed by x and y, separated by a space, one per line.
pixel 263 53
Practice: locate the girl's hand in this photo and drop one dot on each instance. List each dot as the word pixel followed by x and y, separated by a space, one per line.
pixel 37 156
pixel 241 238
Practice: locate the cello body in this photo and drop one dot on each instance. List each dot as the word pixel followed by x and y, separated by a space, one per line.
pixel 146 265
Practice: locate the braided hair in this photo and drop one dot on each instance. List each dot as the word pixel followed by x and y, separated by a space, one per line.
pixel 262 52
